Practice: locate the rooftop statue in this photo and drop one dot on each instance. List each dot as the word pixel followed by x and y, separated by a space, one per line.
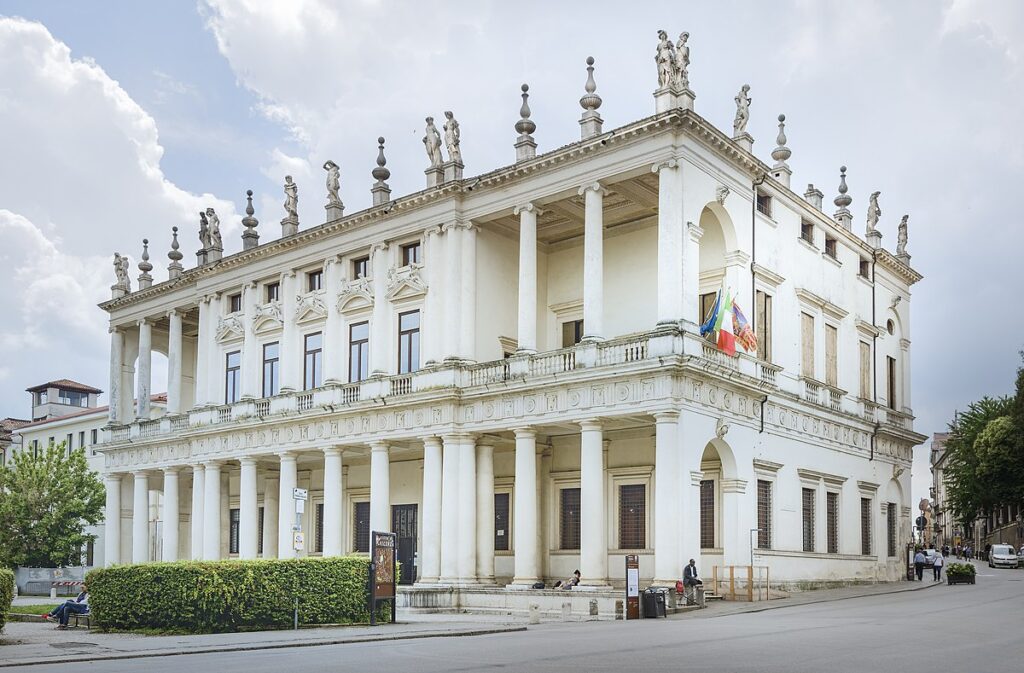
pixel 432 141
pixel 121 272
pixel 682 63
pixel 452 135
pixel 666 59
pixel 333 183
pixel 291 197
pixel 214 229
pixel 874 212
pixel 901 237
pixel 739 125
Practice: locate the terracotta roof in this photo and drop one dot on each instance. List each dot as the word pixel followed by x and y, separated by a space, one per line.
pixel 158 397
pixel 67 384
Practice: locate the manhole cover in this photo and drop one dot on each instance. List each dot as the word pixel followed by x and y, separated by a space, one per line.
pixel 71 645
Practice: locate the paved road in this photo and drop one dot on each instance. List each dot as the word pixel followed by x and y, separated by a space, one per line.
pixel 962 628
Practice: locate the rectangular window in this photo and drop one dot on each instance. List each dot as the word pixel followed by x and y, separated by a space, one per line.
pixel 361 267
pixel 764 514
pixel 865 370
pixel 502 534
pixel 72 398
pixel 358 351
pixel 235 303
pixel 807 505
pixel 830 247
pixel 235 522
pixel 314 281
pixel 319 523
pixel 408 342
pixel 831 363
pixel 90 553
pixel 890 368
pixel 891 528
pixel 411 254
pixel 259 533
pixel 807 231
pixel 93 437
pixel 361 527
pixel 271 369
pixel 632 516
pixel 232 376
pixel 313 363
pixel 273 292
pixel 832 521
pixel 764 326
pixel 707 513
pixel 707 305
pixel 572 333
pixel 569 519
pixel 69 442
pixel 81 439
pixel 764 204
pixel 865 269
pixel 807 345
pixel 865 526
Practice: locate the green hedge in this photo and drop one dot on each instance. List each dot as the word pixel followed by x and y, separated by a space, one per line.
pixel 6 594
pixel 223 596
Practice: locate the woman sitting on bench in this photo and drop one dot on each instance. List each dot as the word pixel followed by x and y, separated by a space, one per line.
pixel 62 613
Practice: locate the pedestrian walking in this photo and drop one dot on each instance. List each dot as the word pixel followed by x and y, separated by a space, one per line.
pixel 937 567
pixel 919 565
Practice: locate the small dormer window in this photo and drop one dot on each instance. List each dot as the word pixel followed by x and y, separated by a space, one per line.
pixel 865 269
pixel 807 231
pixel 235 303
pixel 830 247
pixel 764 204
pixel 314 280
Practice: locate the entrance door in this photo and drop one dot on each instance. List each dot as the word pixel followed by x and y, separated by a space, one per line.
pixel 403 523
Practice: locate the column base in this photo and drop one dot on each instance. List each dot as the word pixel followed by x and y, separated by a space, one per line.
pixel 522 584
pixel 597 585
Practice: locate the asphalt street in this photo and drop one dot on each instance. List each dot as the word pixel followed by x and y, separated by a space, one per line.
pixel 961 628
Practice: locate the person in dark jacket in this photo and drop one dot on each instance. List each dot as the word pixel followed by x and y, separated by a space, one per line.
pixel 62 613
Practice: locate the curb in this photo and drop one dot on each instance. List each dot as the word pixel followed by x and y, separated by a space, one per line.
pixel 248 647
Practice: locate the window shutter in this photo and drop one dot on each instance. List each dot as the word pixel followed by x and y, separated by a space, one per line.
pixel 808 518
pixel 865 370
pixel 831 365
pixel 632 516
pixel 832 521
pixel 764 514
pixel 707 513
pixel 807 345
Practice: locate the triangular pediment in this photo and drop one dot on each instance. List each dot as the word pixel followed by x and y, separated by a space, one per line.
pixel 230 329
pixel 406 283
pixel 310 307
pixel 356 295
pixel 267 318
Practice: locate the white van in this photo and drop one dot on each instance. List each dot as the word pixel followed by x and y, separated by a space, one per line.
pixel 1002 556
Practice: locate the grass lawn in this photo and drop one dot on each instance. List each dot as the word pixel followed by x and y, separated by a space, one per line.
pixel 34 609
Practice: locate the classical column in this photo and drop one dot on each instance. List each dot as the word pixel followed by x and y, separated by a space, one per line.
pixel 449 510
pixel 431 336
pixel 467 510
pixel 670 241
pixel 201 373
pixel 452 292
pixel 248 510
pixel 527 332
pixel 211 511
pixel 380 322
pixel 171 514
pixel 691 275
pixel 380 487
pixel 270 516
pixel 116 359
pixel 291 356
pixel 332 501
pixel 687 525
pixel 667 565
pixel 467 332
pixel 485 513
pixel 525 521
pixel 198 514
pixel 140 519
pixel 212 357
pixel 593 261
pixel 145 380
pixel 251 355
pixel 112 519
pixel 286 506
pixel 174 363
pixel 430 557
pixel 593 528
pixel 334 340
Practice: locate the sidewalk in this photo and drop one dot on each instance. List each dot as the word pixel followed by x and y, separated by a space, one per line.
pixel 25 644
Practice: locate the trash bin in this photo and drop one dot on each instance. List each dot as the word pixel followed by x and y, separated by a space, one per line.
pixel 653 601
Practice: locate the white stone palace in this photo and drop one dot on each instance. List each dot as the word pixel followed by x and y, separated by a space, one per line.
pixel 506 369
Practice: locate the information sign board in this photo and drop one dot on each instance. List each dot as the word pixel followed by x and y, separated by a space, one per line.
pixel 382 581
pixel 632 586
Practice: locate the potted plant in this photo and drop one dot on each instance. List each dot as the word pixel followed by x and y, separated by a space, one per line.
pixel 960 573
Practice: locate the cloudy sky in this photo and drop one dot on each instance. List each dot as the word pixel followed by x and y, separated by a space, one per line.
pixel 119 120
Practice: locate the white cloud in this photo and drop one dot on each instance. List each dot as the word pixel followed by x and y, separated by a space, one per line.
pixel 80 179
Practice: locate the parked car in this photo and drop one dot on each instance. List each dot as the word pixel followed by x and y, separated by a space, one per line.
pixel 1002 556
pixel 929 557
pixel 1020 557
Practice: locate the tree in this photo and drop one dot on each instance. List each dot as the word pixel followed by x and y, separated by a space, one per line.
pixel 968 492
pixel 46 500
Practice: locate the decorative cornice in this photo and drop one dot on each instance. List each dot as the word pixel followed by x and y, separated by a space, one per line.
pixel 766 466
pixel 814 475
pixel 866 328
pixel 768 276
pixel 827 307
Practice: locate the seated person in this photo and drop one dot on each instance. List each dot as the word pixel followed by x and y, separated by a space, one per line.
pixel 64 611
pixel 568 584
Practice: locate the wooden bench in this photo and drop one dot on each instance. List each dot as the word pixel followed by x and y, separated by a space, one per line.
pixel 79 619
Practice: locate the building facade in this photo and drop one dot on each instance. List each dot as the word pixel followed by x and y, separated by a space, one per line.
pixel 506 371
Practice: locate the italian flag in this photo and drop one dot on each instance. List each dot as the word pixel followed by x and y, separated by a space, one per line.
pixel 724 328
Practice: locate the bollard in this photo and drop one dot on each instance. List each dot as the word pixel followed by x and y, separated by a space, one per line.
pixel 566 611
pixel 53 593
pixel 593 607
pixel 534 613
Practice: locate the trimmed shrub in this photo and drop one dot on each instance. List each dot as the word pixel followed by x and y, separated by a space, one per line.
pixel 960 569
pixel 224 596
pixel 6 594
